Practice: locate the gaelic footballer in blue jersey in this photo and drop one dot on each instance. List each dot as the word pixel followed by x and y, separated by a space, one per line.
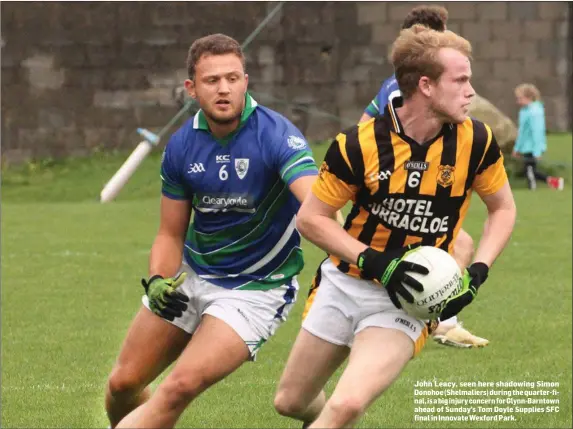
pixel 233 178
pixel 243 233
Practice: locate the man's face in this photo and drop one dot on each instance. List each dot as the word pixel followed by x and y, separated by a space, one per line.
pixel 219 87
pixel 451 94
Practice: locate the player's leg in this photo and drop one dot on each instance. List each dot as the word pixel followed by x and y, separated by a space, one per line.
pixel 311 363
pixel 377 357
pixel 234 325
pixel 215 351
pixel 320 348
pixel 150 346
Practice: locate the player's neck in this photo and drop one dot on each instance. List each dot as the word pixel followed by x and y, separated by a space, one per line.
pixel 222 130
pixel 418 121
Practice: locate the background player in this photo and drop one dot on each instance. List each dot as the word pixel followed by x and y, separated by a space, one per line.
pixel 242 169
pixel 450 331
pixel 413 166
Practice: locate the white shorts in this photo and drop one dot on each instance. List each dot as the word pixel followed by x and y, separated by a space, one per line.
pixel 254 315
pixel 341 306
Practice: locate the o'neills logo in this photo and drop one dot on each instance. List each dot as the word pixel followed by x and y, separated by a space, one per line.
pixel 416 165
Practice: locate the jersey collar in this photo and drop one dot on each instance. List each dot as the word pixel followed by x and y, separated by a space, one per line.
pixel 200 122
pixel 395 101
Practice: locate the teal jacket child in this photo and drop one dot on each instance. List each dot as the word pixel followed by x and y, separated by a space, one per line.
pixel 531 132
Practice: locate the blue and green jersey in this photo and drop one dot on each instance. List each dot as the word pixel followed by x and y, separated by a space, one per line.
pixel 378 103
pixel 243 233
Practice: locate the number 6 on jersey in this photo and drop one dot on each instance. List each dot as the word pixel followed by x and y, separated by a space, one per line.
pixel 223 173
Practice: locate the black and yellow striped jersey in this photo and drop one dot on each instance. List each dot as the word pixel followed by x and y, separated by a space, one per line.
pixel 404 192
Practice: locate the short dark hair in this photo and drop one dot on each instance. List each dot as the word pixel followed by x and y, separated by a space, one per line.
pixel 434 17
pixel 213 44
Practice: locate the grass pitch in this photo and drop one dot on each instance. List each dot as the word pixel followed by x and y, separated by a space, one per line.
pixel 70 287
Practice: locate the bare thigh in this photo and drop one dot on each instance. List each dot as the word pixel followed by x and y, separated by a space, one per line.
pixel 215 351
pixel 311 363
pixel 150 346
pixel 378 357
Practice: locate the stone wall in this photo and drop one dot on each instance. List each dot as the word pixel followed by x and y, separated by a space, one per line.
pixel 80 76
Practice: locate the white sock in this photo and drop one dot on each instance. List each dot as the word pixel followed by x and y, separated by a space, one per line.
pixel 452 321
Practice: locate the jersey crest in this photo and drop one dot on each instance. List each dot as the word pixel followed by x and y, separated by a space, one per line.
pixel 241 167
pixel 446 175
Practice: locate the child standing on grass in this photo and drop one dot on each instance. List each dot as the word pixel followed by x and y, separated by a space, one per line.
pixel 531 141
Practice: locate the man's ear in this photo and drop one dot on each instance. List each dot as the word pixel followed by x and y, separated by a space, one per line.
pixel 190 87
pixel 424 86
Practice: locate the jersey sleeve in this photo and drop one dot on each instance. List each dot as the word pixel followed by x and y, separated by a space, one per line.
pixel 171 176
pixel 337 181
pixel 293 156
pixel 372 109
pixel 491 174
pixel 378 104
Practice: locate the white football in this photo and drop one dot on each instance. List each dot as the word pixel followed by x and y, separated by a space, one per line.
pixel 443 280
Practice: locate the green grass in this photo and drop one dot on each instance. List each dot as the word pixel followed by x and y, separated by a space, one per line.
pixel 70 286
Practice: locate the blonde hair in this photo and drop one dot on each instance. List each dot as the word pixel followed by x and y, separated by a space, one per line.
pixel 415 54
pixel 528 90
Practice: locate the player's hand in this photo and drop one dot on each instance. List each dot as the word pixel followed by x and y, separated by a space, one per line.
pixel 474 276
pixel 164 300
pixel 515 155
pixel 391 270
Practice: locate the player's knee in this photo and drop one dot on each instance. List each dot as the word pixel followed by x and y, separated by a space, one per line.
pixel 124 383
pixel 179 390
pixel 346 408
pixel 288 404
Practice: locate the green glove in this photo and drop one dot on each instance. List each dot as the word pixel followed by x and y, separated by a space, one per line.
pixel 474 276
pixel 164 300
pixel 390 269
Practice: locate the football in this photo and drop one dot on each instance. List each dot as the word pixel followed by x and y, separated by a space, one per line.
pixel 443 281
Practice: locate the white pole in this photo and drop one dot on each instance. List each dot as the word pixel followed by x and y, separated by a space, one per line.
pixel 119 179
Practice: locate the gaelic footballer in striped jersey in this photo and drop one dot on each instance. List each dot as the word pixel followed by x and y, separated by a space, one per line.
pixel 223 267
pixel 409 174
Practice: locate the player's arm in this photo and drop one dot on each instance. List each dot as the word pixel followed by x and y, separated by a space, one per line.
pixel 338 183
pixel 377 105
pixel 166 251
pixel 297 166
pixel 493 188
pixel 498 225
pixel 301 188
pixel 492 185
pixel 365 116
pixel 315 221
pixel 175 212
pixel 370 111
pixel 167 248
